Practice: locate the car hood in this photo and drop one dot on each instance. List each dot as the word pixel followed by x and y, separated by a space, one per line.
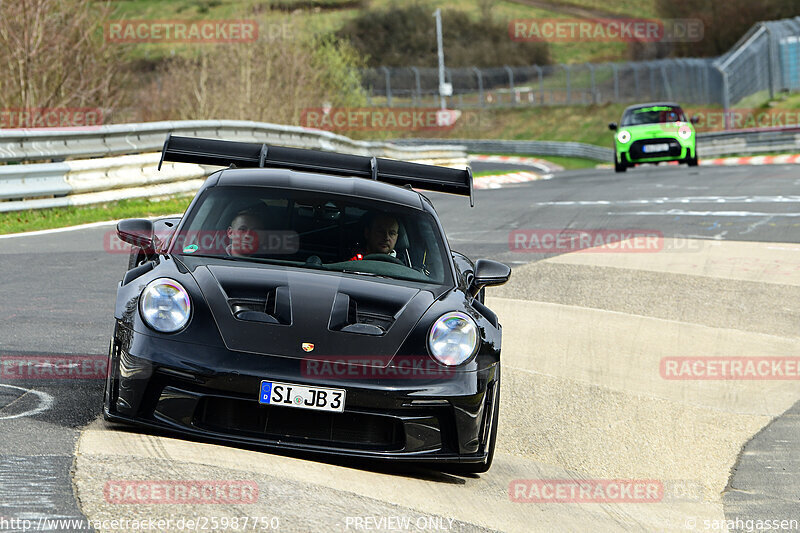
pixel 653 131
pixel 310 314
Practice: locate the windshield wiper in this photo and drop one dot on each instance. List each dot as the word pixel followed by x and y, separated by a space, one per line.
pixel 243 258
pixel 366 273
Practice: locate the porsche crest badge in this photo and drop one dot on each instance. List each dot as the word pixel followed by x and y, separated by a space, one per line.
pixel 308 347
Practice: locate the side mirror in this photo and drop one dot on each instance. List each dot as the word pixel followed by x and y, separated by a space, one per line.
pixel 488 273
pixel 612 126
pixel 694 120
pixel 137 232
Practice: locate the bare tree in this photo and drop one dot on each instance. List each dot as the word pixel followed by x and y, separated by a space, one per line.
pixel 272 79
pixel 53 54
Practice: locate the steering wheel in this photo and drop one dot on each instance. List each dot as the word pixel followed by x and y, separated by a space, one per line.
pixel 383 257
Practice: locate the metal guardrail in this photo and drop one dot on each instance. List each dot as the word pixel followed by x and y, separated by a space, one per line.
pixel 127 155
pixel 113 176
pixel 538 148
pixel 748 142
pixel 123 139
pixel 711 144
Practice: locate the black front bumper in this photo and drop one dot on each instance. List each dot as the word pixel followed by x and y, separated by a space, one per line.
pixel 212 393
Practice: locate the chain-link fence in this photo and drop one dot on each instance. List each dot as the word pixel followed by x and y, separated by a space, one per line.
pixel 766 59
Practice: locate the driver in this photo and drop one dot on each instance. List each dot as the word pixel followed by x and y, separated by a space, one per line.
pixel 380 235
pixel 243 233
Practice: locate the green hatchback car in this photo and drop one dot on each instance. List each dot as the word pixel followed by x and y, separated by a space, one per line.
pixel 651 133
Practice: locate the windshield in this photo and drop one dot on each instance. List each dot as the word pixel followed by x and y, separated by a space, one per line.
pixel 653 115
pixel 314 230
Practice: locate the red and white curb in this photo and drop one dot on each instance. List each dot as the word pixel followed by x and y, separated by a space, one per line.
pixel 787 159
pixel 495 182
pixel 542 164
pixel 754 160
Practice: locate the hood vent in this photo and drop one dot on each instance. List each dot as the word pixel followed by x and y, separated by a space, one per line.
pixel 274 308
pixel 346 316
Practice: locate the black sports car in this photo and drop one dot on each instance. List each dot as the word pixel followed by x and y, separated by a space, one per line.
pixel 297 305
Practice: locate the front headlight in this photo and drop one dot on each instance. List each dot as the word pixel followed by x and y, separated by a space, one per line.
pixel 165 305
pixel 624 136
pixel 453 338
pixel 685 131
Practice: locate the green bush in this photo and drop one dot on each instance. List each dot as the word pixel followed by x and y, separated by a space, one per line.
pixel 406 36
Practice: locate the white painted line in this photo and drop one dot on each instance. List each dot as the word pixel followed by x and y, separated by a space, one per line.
pixel 681 200
pixel 681 212
pixel 45 402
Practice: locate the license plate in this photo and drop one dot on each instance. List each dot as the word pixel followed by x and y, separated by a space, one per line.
pixel 650 148
pixel 291 395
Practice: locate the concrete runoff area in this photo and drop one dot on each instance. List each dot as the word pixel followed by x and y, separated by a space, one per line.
pixel 584 398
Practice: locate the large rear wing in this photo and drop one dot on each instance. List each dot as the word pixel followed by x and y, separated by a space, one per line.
pixel 254 155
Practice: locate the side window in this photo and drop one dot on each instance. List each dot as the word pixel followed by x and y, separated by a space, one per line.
pixel 429 251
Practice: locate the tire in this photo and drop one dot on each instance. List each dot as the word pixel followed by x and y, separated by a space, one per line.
pixel 619 167
pixel 480 468
pixel 690 159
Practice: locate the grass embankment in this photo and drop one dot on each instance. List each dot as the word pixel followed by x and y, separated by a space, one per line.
pixel 39 219
pixel 326 16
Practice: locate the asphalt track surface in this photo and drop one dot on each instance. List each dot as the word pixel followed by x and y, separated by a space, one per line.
pixel 582 400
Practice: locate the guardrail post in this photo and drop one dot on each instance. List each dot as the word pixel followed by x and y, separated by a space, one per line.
pixel 569 84
pixel 477 72
pixel 388 86
pixel 615 69
pixel 636 80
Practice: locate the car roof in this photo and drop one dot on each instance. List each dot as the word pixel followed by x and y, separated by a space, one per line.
pixel 652 104
pixel 311 181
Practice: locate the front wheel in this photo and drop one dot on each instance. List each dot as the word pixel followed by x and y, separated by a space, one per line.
pixel 691 159
pixel 619 166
